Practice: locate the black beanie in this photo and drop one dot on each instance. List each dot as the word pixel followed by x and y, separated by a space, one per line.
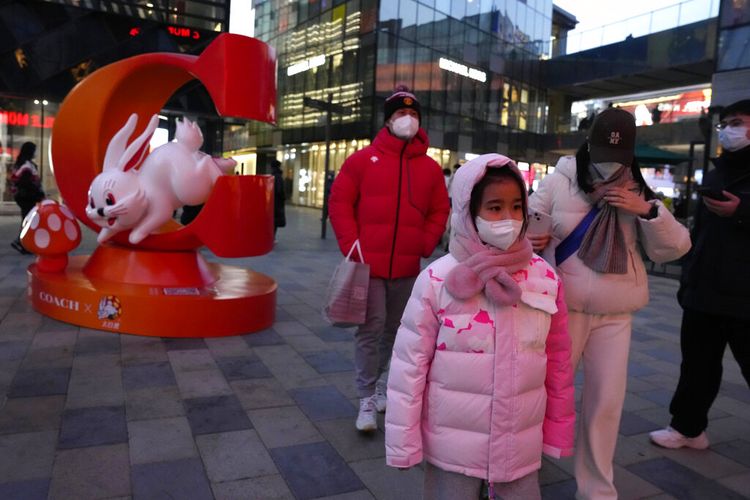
pixel 401 98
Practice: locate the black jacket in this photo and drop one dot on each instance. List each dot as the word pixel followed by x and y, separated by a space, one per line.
pixel 279 199
pixel 716 271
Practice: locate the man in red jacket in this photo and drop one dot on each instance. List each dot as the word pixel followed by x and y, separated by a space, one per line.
pixel 391 197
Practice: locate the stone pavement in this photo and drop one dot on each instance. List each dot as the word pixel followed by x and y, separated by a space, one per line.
pixel 88 414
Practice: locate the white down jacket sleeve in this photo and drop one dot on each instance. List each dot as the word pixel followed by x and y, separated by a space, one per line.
pixel 663 238
pixel 413 351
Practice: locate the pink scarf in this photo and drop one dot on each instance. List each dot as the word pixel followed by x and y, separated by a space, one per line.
pixel 486 268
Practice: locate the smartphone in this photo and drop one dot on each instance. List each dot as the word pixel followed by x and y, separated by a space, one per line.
pixel 714 194
pixel 539 223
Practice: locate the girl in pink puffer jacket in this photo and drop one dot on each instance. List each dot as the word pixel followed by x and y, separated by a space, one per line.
pixel 480 381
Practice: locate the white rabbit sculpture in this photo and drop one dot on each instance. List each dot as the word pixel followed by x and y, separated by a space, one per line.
pixel 173 175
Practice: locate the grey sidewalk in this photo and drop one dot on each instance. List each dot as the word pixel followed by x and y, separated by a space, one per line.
pixel 88 414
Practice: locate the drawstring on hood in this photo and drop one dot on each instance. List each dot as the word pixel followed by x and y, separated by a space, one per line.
pixel 482 267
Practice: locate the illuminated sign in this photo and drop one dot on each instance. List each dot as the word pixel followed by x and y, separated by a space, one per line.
pixel 16 119
pixel 462 69
pixel 308 64
pixel 183 32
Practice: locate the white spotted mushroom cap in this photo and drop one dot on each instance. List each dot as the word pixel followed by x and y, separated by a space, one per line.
pixel 50 228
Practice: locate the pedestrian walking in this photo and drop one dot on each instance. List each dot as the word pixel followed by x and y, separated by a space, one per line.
pixel 714 292
pixel 481 382
pixel 279 197
pixel 602 209
pixel 390 196
pixel 26 186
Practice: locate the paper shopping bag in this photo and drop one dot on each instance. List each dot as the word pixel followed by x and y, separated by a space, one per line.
pixel 346 301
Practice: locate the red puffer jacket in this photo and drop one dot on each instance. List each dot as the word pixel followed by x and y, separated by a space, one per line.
pixel 391 196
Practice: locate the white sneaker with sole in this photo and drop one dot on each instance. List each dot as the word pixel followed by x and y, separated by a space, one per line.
pixel 381 397
pixel 367 418
pixel 670 438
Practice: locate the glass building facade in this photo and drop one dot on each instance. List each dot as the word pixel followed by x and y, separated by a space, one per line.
pixel 474 66
pixel 734 48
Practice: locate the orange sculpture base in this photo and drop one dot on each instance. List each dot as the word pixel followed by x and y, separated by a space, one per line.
pixel 183 296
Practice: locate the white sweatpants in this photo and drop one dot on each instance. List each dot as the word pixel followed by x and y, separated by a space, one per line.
pixel 602 342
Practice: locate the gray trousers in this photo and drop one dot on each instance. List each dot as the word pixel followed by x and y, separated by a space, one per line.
pixel 373 342
pixel 443 485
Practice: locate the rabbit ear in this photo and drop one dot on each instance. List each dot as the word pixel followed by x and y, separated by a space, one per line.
pixel 117 144
pixel 137 146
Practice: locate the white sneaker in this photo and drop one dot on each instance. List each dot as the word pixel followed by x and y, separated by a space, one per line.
pixel 670 438
pixel 381 397
pixel 367 418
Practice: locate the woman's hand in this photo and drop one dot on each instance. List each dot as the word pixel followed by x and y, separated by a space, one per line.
pixel 723 208
pixel 539 241
pixel 628 201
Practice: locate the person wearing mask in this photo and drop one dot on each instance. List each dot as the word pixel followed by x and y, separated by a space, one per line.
pixel 602 209
pixel 714 292
pixel 391 197
pixel 26 186
pixel 480 382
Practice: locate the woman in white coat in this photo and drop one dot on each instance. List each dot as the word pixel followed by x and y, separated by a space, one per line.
pixel 601 208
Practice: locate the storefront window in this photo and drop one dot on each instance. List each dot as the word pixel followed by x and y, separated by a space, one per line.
pixel 27 120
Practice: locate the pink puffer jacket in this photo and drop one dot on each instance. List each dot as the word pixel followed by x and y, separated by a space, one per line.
pixel 476 388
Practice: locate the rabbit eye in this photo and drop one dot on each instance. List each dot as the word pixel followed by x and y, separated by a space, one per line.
pixel 91 203
pixel 110 200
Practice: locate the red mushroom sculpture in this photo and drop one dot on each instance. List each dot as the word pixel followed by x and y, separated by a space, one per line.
pixel 50 231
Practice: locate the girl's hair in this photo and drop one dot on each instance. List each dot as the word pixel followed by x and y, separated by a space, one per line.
pixel 583 173
pixel 491 176
pixel 28 149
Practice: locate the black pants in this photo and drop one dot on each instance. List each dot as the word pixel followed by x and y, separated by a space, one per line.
pixel 26 205
pixel 703 340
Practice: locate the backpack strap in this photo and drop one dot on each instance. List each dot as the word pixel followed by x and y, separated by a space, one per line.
pixel 572 242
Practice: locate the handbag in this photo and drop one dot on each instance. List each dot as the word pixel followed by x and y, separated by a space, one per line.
pixel 346 299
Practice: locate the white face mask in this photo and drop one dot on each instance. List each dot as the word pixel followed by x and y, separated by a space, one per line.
pixel 606 168
pixel 500 233
pixel 405 127
pixel 733 138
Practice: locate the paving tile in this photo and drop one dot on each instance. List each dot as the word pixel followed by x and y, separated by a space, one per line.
pixel 243 368
pixel 32 489
pixel 680 481
pixel 739 392
pixel 350 443
pixel 660 396
pixel 737 483
pixel 191 360
pixel 83 427
pixel 345 382
pixel 176 344
pixel 639 370
pixel 265 487
pixel 234 455
pixel 204 383
pixel 285 426
pixel 48 358
pixel 228 347
pixel 630 424
pixel 184 478
pixel 328 362
pixel 551 473
pixel 39 382
pixel 352 495
pixel 290 328
pixel 288 367
pixel 738 450
pixel 12 350
pixel 334 334
pixel 387 482
pixel 264 337
pixel 629 485
pixel 560 490
pixel 216 414
pixel 27 456
pixel 153 402
pixel 31 414
pixel 147 375
pixel 95 472
pixel 98 345
pixel 323 403
pixel 315 470
pixel 95 390
pixel 307 343
pixel 261 393
pixel 160 440
pixel 141 350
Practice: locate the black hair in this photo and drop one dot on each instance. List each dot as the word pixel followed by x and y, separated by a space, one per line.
pixel 738 108
pixel 585 181
pixel 491 176
pixel 446 171
pixel 27 152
